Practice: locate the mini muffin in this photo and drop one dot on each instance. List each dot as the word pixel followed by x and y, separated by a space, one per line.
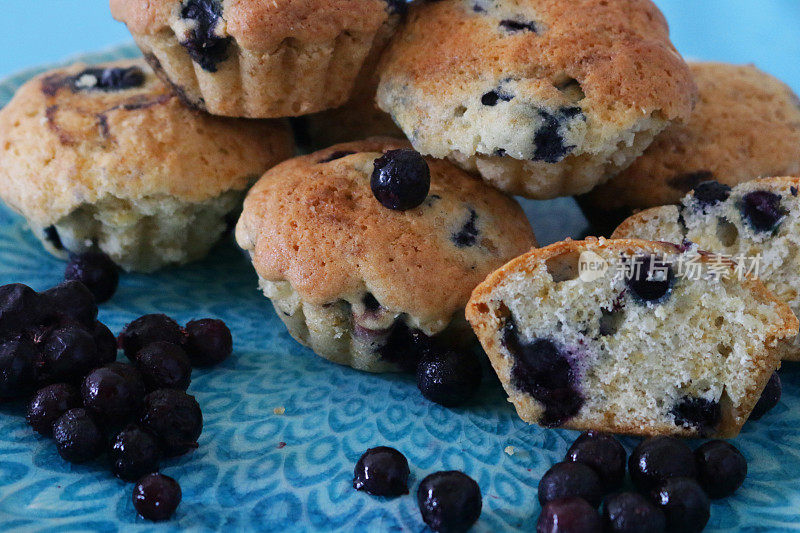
pixel 371 286
pixel 260 58
pixel 746 125
pixel 757 223
pixel 622 336
pixel 542 98
pixel 106 157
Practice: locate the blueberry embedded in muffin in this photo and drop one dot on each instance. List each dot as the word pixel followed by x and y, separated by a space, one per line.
pixel 369 251
pixel 674 360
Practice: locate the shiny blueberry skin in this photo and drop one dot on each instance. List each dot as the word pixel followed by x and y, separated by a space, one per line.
pixel 650 287
pixel 203 45
pixel 156 496
pixel 711 192
pixel 164 365
pixel 770 397
pixel 77 436
pixel 721 468
pixel 449 378
pixel 657 459
pixel 604 454
pixel 95 270
pixel 630 512
pixel 20 307
pixel 208 342
pixel 69 352
pixel 698 413
pixel 762 210
pixel 147 330
pixel 48 404
pixel 449 501
pixel 18 368
pixel 567 479
pixel 134 453
pixel 111 396
pixel 382 471
pixel 685 505
pixel 401 179
pixel 75 300
pixel 106 343
pixel 175 418
pixel 569 515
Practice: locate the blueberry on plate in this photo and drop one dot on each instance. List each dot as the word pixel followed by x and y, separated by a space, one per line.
pixel 657 459
pixel 18 368
pixel 569 515
pixel 208 342
pixel 449 378
pixel 567 479
pixel 95 270
pixel 721 468
pixel 630 512
pixel 134 453
pixel 20 308
pixel 69 352
pixel 401 179
pixel 164 365
pixel 110 396
pixel 73 299
pixel 175 418
pixel 146 330
pixel 770 397
pixel 685 505
pixel 48 404
pixel 604 453
pixel 382 471
pixel 449 501
pixel 106 343
pixel 77 436
pixel 156 497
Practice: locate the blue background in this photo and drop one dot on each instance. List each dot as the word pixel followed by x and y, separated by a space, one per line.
pixel 764 32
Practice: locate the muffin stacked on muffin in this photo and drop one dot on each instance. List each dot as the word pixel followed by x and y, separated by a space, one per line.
pixel 106 157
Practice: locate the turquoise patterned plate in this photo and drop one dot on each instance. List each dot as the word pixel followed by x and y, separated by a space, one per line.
pixel 259 470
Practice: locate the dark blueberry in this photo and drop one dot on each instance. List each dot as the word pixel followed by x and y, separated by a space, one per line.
pixel 156 497
pixel 762 210
pixel 20 307
pixel 18 368
pixel 401 179
pixel 397 6
pixel 660 458
pixel 684 503
pixel 371 303
pixel 514 26
pixel 569 515
pixel 106 343
pixel 405 346
pixel 77 436
pixel 710 193
pixel 164 365
pixel 176 419
pixel 131 375
pixel 147 330
pixel 134 453
pixel 542 370
pixel 73 299
pixel 449 501
pixel 650 279
pixel 549 144
pixel 48 404
pixel 698 413
pixel 52 236
pixel 205 47
pixel 492 97
pixel 110 79
pixel 793 190
pixel 770 397
pixel 69 352
pixel 629 512
pixel 449 378
pixel 95 270
pixel 468 234
pixel 721 468
pixel 208 342
pixel 110 396
pixel 604 454
pixel 338 154
pixel 382 471
pixel 567 479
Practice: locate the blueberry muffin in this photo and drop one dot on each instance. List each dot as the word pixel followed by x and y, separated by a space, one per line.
pixel 746 125
pixel 627 336
pixel 757 223
pixel 369 251
pixel 542 98
pixel 260 58
pixel 106 157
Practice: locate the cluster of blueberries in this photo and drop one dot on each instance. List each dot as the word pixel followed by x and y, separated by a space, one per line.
pixel 674 485
pixel 449 501
pixel 53 347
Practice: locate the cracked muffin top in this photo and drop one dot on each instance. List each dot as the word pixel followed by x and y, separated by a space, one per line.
pixel 76 135
pixel 314 221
